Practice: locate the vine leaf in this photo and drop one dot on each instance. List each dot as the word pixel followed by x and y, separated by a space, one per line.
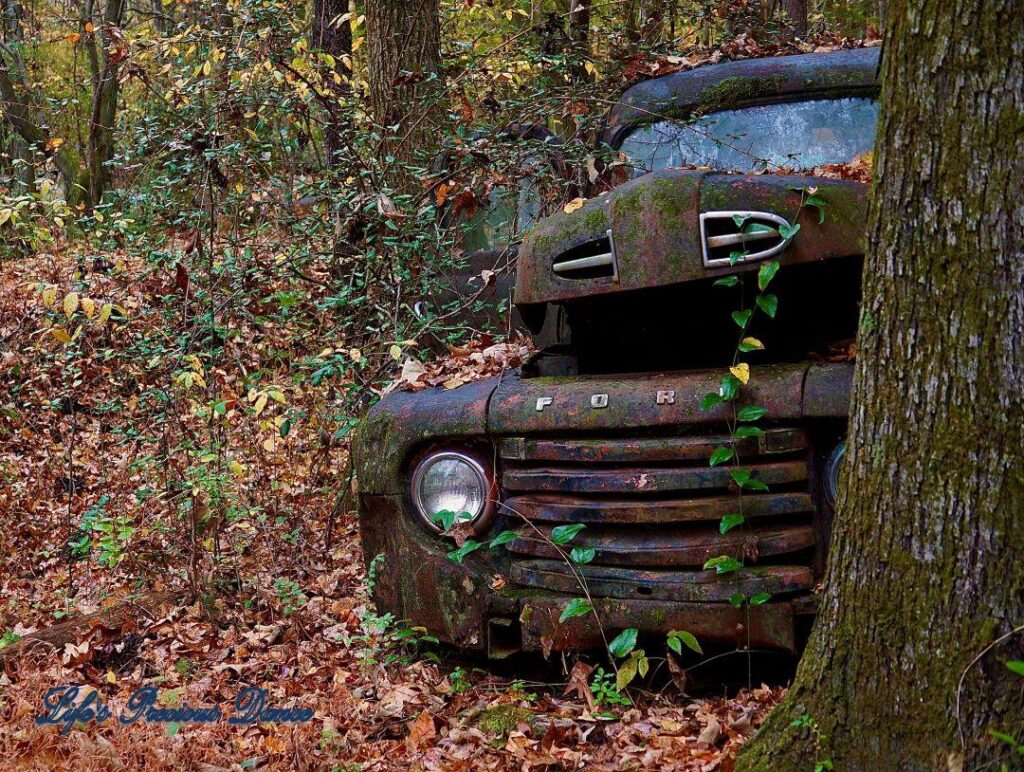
pixel 623 643
pixel 577 607
pixel 742 317
pixel 679 638
pixel 744 432
pixel 721 455
pixel 582 555
pixel 729 522
pixel 750 344
pixel 503 538
pixel 470 545
pixel 768 303
pixel 766 274
pixel 724 564
pixel 728 281
pixel 564 534
pixel 710 400
pixel 789 231
pixel 742 372
pixel 751 413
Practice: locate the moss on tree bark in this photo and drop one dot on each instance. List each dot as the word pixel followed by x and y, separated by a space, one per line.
pixel 925 569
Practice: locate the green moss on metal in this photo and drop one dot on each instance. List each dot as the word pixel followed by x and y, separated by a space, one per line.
pixel 733 91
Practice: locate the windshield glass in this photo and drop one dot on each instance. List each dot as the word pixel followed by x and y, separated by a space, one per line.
pixel 798 135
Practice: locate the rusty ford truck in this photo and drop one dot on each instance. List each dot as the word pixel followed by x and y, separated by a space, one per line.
pixel 604 428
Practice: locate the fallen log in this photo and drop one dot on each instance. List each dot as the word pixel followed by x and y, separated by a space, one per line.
pixel 149 606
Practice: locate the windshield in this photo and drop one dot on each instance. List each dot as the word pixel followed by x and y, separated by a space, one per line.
pixel 798 135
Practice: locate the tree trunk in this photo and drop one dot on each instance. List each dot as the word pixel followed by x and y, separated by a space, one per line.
pixel 107 51
pixel 796 14
pixel 20 108
pixel 925 581
pixel 407 97
pixel 332 34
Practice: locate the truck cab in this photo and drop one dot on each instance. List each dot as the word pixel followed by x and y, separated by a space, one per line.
pixel 583 480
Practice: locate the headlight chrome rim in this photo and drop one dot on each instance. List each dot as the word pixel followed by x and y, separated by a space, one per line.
pixel 481 520
pixel 833 466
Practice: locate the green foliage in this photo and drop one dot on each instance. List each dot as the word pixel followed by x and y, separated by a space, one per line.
pixel 623 643
pixel 458 681
pixel 723 564
pixel 289 595
pixel 563 534
pixel 677 639
pixel 605 691
pixel 577 607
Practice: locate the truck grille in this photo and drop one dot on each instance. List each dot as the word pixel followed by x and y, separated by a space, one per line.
pixel 652 509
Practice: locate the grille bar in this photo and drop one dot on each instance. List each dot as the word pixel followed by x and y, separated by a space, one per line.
pixel 576 509
pixel 683 546
pixel 703 586
pixel 648 449
pixel 645 480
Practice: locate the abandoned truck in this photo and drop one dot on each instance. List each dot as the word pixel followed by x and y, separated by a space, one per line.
pixel 604 428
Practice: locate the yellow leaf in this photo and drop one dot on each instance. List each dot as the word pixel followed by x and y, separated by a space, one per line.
pixel 753 343
pixel 104 313
pixel 356 354
pixel 70 304
pixel 89 307
pixel 575 204
pixel 357 43
pixel 49 295
pixel 207 68
pixel 260 404
pixel 239 187
pixel 742 372
pixel 236 468
pixel 396 352
pixel 5 215
pixel 276 395
pixel 54 142
pixel 111 678
pixel 89 28
pixel 74 37
pixel 60 334
pixel 268 444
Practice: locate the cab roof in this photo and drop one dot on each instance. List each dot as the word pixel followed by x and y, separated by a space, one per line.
pixel 846 72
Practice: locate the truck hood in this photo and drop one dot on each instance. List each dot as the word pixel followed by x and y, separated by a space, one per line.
pixel 652 229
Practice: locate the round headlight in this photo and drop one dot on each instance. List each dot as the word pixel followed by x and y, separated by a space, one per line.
pixel 833 465
pixel 451 481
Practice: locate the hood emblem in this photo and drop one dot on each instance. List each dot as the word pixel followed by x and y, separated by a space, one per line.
pixel 600 401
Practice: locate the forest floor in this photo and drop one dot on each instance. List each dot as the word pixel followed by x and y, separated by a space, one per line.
pixel 93 511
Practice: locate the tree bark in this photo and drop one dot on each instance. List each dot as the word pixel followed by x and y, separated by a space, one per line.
pixel 19 107
pixel 407 97
pixel 332 34
pixel 796 14
pixel 106 53
pixel 925 581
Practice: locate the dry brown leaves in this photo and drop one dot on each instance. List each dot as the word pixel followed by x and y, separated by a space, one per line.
pixel 859 169
pixel 743 46
pixel 323 655
pixel 480 358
